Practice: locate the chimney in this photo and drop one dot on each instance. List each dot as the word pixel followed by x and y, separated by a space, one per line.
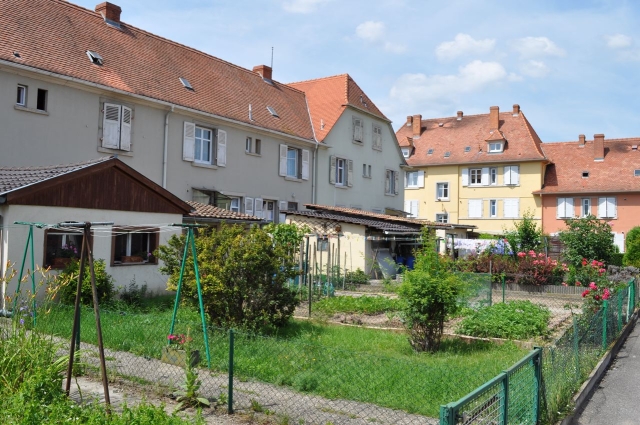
pixel 598 147
pixel 409 121
pixel 516 110
pixel 109 11
pixel 581 140
pixel 417 126
pixel 459 116
pixel 494 117
pixel 264 71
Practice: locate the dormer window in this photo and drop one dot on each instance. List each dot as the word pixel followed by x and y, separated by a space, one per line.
pixel 94 57
pixel 467 148
pixel 585 174
pixel 447 154
pixel 496 147
pixel 636 173
pixel 406 152
pixel 430 152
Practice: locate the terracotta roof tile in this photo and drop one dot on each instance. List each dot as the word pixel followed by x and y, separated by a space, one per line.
pixel 54 35
pixel 453 135
pixel 328 98
pixel 385 217
pixel 615 174
pixel 209 211
pixel 379 224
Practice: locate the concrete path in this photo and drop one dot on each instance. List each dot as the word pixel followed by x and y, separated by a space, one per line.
pixel 617 399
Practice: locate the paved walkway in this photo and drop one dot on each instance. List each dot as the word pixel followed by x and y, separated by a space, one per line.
pixel 617 400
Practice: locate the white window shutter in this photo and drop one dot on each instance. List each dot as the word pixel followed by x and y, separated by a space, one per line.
pixel 407 206
pixel 305 164
pixel 189 141
pixel 465 177
pixel 387 183
pixel 414 209
pixel 602 207
pixel 475 208
pixel 282 207
pixel 485 176
pixel 421 178
pixel 350 173
pixel 516 207
pixel 111 126
pixel 397 182
pixel 406 179
pixel 612 208
pixel 257 211
pixel 507 175
pixel 332 169
pixel 221 157
pixel 283 159
pixel 560 210
pixel 248 206
pixel 357 129
pixel 570 211
pixel 512 208
pixel 125 129
pixel 515 174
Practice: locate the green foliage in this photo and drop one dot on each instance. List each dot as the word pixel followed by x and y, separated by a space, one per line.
pixel 588 238
pixel 68 281
pixel 243 276
pixel 357 277
pixel 134 294
pixel 511 320
pixel 188 396
pixel 632 254
pixel 487 236
pixel 288 236
pixel 526 235
pixel 430 295
pixel 363 305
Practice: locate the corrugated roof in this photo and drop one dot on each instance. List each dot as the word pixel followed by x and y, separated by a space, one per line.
pixel 54 35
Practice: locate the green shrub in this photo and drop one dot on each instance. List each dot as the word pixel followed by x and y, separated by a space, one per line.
pixel 511 320
pixel 68 281
pixel 617 259
pixel 305 381
pixel 632 254
pixel 526 235
pixel 587 238
pixel 134 294
pixel 357 277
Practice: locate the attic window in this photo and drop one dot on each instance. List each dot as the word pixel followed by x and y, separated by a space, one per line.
pixel 94 57
pixel 467 148
pixel 495 147
pixel 430 152
pixel 585 174
pixel 405 152
pixel 636 173
pixel 634 147
pixel 447 154
pixel 186 83
pixel 273 112
pixel 16 54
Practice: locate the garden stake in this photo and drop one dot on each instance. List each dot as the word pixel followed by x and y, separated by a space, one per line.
pixel 230 397
pixel 33 267
pixel 576 349
pixel 605 307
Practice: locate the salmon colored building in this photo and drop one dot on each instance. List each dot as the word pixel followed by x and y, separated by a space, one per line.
pixel 592 177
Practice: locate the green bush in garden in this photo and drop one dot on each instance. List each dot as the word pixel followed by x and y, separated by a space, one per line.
pixel 68 281
pixel 511 320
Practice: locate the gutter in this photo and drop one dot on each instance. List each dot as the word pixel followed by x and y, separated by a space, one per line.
pixel 165 148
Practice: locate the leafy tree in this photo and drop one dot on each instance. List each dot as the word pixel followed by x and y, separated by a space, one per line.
pixel 430 295
pixel 243 276
pixel 588 238
pixel 632 254
pixel 68 281
pixel 525 236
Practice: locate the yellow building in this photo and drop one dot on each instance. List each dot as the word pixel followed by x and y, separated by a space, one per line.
pixel 477 170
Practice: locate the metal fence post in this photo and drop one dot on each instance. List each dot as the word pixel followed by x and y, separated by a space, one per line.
pixel 447 416
pixel 576 347
pixel 230 395
pixel 503 288
pixel 605 308
pixel 620 311
pixel 504 420
pixel 537 363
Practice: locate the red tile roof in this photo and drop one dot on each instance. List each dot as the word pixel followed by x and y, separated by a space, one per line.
pixel 450 135
pixel 386 217
pixel 328 98
pixel 54 35
pixel 209 211
pixel 614 174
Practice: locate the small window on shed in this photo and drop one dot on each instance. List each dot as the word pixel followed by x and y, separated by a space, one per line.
pixel 430 152
pixel 585 174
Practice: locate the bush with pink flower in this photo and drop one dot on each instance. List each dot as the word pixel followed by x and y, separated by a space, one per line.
pixel 538 269
pixel 595 294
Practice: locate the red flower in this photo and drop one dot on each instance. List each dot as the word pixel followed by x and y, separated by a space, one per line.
pixel 584 261
pixel 585 293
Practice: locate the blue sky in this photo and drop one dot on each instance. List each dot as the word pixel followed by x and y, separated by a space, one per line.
pixel 572 66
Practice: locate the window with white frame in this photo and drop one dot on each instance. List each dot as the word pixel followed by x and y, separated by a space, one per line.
pixel 512 175
pixel 585 209
pixel 202 145
pixel 414 179
pixel 268 210
pixel 495 147
pixel 475 208
pixel 475 176
pixel 493 176
pixel 294 162
pixel 565 208
pixel 116 127
pixel 607 207
pixel 134 245
pixel 251 146
pixel 377 139
pixel 442 218
pixel 391 182
pixel 411 206
pixel 511 208
pixel 21 99
pixel 234 204
pixel 358 129
pixel 406 152
pixel 493 208
pixel 248 144
pixel 366 171
pixel 442 191
pixel 341 171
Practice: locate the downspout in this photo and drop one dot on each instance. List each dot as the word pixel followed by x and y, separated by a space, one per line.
pixel 314 177
pixel 166 148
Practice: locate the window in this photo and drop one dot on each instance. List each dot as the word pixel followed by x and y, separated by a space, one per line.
pixel 323 243
pixel 442 218
pixel 248 144
pixel 268 210
pixel 258 147
pixel 636 173
pixel 475 175
pixel 377 140
pixel 585 174
pixel 292 206
pixel 430 152
pixel 565 208
pixel 442 191
pixel 391 182
pixel 586 207
pixel 415 179
pixel 294 162
pixel 203 145
pixel 94 57
pixel 21 95
pixel 341 171
pixel 369 171
pixel 357 129
pixel 411 206
pixel 185 83
pixel 116 127
pixel 234 204
pixel 467 148
pixel 607 208
pixel 495 147
pixel 447 154
pixel 366 171
pixel 252 147
pixel 493 208
pixel 41 100
pixel 511 208
pixel 406 152
pixel 512 175
pixel 134 245
pixel 475 208
pixel 61 247
pixel 493 176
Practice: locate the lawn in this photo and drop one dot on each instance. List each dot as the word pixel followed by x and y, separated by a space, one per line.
pixel 334 361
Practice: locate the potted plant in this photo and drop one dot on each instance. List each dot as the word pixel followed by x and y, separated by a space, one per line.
pixel 66 254
pixel 176 354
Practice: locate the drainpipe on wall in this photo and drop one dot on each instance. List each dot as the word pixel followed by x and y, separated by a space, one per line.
pixel 166 147
pixel 315 156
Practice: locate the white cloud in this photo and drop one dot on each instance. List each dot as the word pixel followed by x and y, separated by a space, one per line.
pixel 535 69
pixel 530 47
pixel 415 89
pixel 618 41
pixel 463 44
pixel 302 6
pixel 375 32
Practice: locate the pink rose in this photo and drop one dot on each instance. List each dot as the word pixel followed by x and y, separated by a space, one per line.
pixel 593 286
